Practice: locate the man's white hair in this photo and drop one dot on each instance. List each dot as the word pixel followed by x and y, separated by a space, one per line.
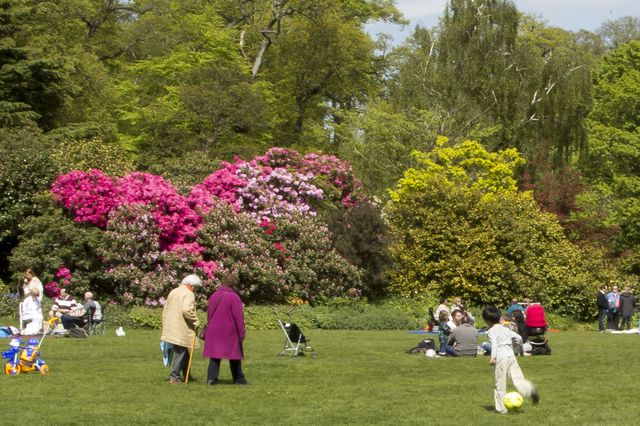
pixel 192 280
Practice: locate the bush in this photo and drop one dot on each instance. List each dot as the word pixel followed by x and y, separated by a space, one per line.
pixel 8 301
pixel 53 241
pixel 360 235
pixel 25 172
pixel 462 228
pixel 278 261
pixel 146 317
pixel 371 317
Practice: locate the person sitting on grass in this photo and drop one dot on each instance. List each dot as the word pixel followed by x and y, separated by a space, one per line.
pixel 79 317
pixel 520 328
pixel 515 306
pixel 506 365
pixel 63 304
pixel 456 319
pixel 463 341
pixel 458 305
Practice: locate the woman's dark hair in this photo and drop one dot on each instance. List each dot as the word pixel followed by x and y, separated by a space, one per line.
pixel 491 315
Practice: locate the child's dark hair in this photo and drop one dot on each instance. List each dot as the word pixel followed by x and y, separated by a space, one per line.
pixel 491 315
pixel 518 316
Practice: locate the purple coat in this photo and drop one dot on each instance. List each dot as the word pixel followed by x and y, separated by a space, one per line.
pixel 225 327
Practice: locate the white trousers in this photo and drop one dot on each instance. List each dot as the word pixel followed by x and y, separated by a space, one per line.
pixel 509 367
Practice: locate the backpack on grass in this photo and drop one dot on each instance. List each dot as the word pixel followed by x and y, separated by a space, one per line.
pixel 423 346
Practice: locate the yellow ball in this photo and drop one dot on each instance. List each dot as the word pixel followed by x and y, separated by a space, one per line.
pixel 513 401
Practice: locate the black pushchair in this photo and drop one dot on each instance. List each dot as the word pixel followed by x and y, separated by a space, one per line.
pixel 295 343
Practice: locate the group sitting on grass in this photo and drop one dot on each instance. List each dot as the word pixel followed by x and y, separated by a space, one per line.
pixel 458 336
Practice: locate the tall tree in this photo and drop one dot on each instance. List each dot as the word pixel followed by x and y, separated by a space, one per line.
pixel 32 86
pixel 616 32
pixel 501 77
pixel 190 93
pixel 614 158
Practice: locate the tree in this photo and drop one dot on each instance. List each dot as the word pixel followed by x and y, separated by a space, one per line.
pixel 616 32
pixel 193 94
pixel 378 142
pixel 461 227
pixel 32 86
pixel 261 23
pixel 612 167
pixel 501 77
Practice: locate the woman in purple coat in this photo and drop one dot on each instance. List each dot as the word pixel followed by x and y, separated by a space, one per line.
pixel 225 331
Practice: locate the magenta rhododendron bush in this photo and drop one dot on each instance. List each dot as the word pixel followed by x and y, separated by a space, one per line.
pixel 154 234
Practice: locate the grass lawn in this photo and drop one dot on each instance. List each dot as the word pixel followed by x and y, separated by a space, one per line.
pixel 359 377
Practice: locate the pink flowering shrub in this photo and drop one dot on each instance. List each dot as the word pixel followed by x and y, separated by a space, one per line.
pixel 177 221
pixel 280 260
pixel 237 243
pixel 280 183
pixel 52 289
pixel 253 217
pixel 313 269
pixel 89 196
pixel 140 271
pixel 92 196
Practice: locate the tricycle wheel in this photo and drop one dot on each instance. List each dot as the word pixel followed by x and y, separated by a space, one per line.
pixel 12 370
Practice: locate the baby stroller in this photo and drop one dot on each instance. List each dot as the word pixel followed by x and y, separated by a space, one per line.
pixel 295 343
pixel 536 328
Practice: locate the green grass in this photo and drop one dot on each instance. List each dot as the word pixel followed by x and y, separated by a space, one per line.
pixel 359 377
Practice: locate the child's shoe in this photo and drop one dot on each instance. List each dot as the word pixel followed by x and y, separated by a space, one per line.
pixel 535 397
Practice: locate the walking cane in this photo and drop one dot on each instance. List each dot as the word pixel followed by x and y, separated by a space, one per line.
pixel 193 345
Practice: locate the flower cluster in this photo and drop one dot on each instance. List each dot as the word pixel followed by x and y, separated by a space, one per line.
pixel 63 277
pixel 89 196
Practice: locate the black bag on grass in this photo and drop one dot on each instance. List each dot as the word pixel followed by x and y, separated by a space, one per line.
pixel 77 332
pixel 423 346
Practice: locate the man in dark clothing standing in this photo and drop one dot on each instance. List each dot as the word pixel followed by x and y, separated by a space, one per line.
pixel 627 305
pixel 603 306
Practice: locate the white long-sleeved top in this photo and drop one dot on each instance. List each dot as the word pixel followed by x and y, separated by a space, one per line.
pixel 501 341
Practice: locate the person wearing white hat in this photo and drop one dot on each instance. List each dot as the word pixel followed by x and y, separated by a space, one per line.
pixel 179 325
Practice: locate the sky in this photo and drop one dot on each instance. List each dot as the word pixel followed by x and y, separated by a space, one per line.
pixel 568 14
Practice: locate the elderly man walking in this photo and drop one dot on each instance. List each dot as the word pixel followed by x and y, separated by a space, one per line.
pixel 179 325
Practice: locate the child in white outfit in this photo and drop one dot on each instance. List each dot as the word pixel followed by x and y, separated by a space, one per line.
pixel 502 356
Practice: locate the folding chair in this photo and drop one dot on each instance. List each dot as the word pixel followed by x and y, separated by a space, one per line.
pixel 295 341
pixel 96 322
pixel 23 322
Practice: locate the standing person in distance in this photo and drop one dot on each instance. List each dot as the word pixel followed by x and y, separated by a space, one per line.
pixel 225 333
pixel 506 365
pixel 613 313
pixel 179 325
pixel 627 305
pixel 603 306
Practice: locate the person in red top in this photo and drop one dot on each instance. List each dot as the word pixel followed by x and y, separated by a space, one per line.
pixel 535 320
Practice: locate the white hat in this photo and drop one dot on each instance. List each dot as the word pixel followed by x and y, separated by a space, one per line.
pixel 192 280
